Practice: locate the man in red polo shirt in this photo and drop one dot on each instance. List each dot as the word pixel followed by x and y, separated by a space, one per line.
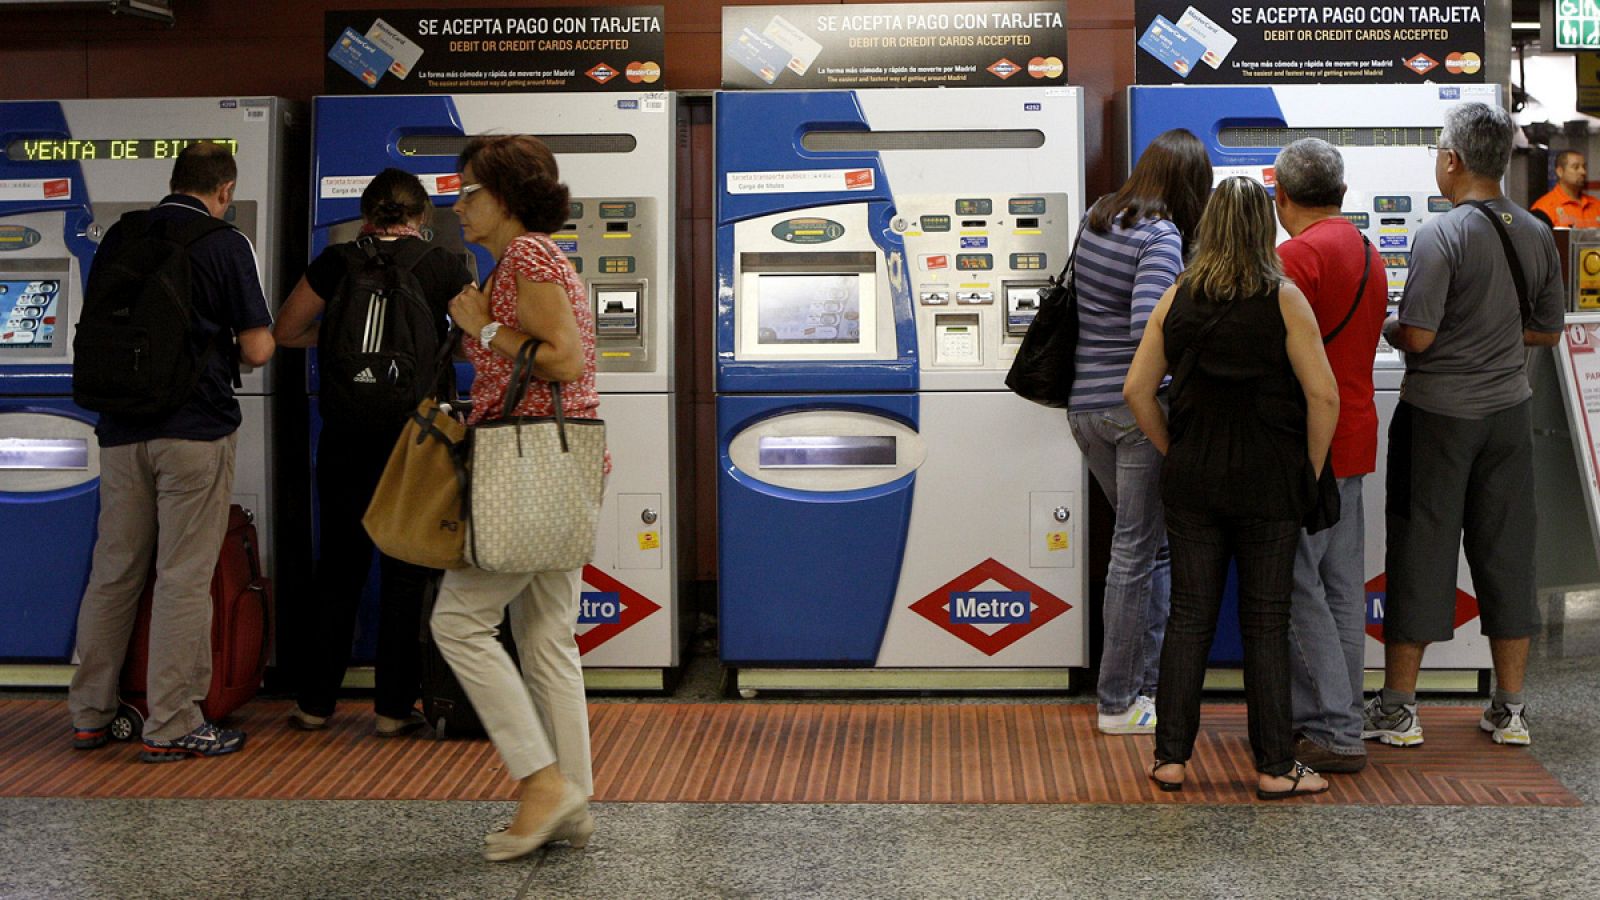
pixel 1567 206
pixel 1343 276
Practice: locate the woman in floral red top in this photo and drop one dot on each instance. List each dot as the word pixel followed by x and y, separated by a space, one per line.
pixel 511 199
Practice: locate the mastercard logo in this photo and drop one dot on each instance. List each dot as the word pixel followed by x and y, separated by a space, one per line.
pixel 1463 63
pixel 1046 67
pixel 643 72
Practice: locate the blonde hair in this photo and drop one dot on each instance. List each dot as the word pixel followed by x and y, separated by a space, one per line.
pixel 1234 255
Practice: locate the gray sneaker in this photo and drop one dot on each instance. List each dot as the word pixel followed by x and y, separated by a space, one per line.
pixel 1397 727
pixel 1507 724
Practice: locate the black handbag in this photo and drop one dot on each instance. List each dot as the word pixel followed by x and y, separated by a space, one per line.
pixel 1044 365
pixel 1325 508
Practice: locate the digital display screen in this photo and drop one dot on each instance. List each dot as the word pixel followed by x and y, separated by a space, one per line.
pixel 1439 204
pixel 935 223
pixel 1026 206
pixel 809 309
pixel 974 262
pixel 619 210
pixel 980 206
pixel 1358 219
pixel 28 314
pixel 1395 204
pixel 72 150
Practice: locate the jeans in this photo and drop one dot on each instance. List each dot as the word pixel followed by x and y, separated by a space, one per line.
pixel 1327 628
pixel 1202 544
pixel 1138 583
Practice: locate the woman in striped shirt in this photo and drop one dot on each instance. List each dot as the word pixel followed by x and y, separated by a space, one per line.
pixel 1130 250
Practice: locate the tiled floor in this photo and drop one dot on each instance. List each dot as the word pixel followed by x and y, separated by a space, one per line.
pixel 291 849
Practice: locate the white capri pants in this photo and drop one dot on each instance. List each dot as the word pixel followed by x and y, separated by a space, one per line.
pixel 539 716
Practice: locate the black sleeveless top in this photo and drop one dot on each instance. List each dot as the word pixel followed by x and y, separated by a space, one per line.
pixel 1238 421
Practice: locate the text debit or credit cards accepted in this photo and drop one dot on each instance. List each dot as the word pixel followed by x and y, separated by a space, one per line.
pixel 1218 43
pixel 1172 45
pixel 760 55
pixel 404 51
pixel 802 48
pixel 360 57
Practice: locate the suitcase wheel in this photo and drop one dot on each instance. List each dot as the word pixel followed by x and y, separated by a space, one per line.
pixel 439 729
pixel 128 724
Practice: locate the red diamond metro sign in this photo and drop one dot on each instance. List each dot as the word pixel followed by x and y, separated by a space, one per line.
pixel 635 608
pixel 1378 595
pixel 1044 606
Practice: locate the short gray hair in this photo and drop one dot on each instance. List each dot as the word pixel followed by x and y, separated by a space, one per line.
pixel 1481 136
pixel 1311 172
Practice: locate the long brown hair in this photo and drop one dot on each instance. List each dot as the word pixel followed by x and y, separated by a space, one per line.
pixel 1169 181
pixel 1234 254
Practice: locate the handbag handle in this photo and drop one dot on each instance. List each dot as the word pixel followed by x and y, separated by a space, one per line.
pixel 522 378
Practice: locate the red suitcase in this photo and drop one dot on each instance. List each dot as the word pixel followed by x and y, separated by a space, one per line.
pixel 241 598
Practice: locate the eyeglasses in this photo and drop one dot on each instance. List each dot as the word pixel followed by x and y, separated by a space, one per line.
pixel 467 189
pixel 1436 149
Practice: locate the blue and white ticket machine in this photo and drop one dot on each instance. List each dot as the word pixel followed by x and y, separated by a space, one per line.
pixel 888 514
pixel 1383 132
pixel 617 154
pixel 68 170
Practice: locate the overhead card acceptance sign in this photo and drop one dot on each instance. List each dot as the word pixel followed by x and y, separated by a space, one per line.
pixel 459 51
pixel 1352 41
pixel 894 45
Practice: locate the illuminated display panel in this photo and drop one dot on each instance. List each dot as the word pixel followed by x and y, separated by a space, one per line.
pixel 1395 204
pixel 1278 137
pixel 809 309
pixel 117 149
pixel 974 206
pixel 28 314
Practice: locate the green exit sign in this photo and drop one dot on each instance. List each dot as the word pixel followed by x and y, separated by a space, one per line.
pixel 1577 24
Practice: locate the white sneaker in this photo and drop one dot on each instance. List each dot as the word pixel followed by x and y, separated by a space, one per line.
pixel 1397 727
pixel 1507 724
pixel 1140 718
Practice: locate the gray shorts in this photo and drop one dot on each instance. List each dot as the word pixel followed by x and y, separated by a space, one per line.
pixel 1458 483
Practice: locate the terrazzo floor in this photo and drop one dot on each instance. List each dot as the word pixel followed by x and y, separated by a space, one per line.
pixel 335 849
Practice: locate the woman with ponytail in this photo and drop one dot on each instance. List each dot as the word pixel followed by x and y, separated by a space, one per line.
pixel 511 200
pixel 351 453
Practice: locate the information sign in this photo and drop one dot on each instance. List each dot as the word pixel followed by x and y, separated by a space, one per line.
pixel 1268 42
pixel 1579 365
pixel 1577 24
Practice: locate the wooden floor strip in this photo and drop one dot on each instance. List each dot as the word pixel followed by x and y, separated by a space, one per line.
pixel 774 753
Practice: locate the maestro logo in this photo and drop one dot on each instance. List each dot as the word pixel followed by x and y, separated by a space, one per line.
pixel 1378 597
pixel 986 617
pixel 611 608
pixel 1421 64
pixel 602 73
pixel 1004 68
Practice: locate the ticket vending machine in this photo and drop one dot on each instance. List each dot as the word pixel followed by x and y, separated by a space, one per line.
pixel 68 170
pixel 617 155
pixel 1383 132
pixel 889 515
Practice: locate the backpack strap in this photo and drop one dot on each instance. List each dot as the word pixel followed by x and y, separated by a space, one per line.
pixel 1524 305
pixel 185 233
pixel 1366 269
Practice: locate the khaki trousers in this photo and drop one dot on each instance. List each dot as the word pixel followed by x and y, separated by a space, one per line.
pixel 539 716
pixel 170 498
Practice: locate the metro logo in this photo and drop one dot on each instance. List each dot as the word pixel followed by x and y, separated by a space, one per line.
pixel 959 609
pixel 1004 68
pixel 1421 64
pixel 613 606
pixel 1378 596
pixel 602 73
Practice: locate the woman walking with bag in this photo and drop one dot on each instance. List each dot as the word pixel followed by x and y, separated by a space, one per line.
pixel 511 200
pixel 1129 252
pixel 357 438
pixel 1254 404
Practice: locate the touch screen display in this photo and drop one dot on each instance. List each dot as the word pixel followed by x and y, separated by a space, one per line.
pixel 809 309
pixel 28 314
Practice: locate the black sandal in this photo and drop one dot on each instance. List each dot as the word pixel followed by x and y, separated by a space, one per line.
pixel 1167 786
pixel 1301 770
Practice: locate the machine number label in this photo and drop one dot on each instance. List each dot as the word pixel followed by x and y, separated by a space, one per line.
pixel 990 607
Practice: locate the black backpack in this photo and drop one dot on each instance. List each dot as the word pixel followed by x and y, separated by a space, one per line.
pixel 139 350
pixel 379 336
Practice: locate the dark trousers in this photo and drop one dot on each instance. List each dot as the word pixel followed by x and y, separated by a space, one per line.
pixel 1202 544
pixel 349 464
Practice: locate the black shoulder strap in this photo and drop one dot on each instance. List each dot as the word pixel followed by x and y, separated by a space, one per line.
pixel 1366 269
pixel 1525 306
pixel 1191 354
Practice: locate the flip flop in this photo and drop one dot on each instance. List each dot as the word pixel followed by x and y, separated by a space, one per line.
pixel 1167 786
pixel 1301 770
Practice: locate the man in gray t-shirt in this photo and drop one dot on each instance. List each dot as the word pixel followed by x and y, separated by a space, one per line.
pixel 1461 443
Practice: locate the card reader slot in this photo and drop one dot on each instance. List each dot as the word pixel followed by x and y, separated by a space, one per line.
pixel 1027 223
pixel 1397 221
pixel 974 223
pixel 616 227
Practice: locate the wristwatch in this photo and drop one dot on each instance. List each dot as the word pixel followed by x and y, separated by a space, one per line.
pixel 488 333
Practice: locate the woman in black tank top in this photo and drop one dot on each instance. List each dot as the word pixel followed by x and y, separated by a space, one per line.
pixel 1254 405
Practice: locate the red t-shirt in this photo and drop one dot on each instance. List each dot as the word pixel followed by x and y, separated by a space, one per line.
pixel 1325 263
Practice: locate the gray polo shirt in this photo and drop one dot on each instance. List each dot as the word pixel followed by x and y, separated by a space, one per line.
pixel 1460 287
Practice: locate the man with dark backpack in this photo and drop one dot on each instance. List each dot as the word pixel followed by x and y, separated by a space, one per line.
pixel 174 305
pixel 380 348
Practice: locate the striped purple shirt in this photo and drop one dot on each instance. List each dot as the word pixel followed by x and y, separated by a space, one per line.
pixel 1120 275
